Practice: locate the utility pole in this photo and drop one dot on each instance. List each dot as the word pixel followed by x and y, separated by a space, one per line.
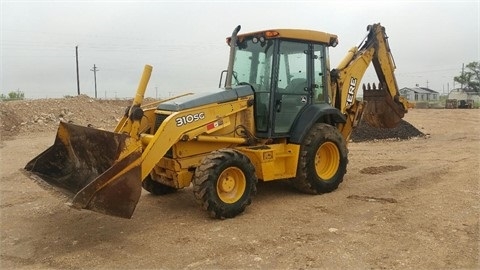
pixel 463 70
pixel 95 78
pixel 78 75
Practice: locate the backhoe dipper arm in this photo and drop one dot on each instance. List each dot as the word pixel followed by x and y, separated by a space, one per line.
pixel 384 65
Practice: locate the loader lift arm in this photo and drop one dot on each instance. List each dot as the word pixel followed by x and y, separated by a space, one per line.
pixel 156 146
pixel 102 171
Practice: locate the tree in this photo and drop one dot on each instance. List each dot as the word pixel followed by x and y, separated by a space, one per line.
pixel 13 95
pixel 470 78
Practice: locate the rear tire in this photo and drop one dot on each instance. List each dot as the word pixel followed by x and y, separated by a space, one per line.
pixel 157 188
pixel 225 183
pixel 323 160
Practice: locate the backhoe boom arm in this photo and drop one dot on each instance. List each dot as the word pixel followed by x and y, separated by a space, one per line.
pixel 383 107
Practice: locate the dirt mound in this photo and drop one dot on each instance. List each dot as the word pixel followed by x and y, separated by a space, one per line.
pixel 27 116
pixel 365 132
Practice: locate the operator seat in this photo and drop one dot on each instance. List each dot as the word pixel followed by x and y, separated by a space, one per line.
pixel 296 86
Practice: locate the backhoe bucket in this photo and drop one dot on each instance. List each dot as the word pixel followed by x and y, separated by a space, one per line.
pixel 381 111
pixel 82 164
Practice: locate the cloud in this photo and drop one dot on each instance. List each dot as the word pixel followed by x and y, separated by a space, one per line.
pixel 185 41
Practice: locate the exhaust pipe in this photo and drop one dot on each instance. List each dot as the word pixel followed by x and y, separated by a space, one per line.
pixel 231 59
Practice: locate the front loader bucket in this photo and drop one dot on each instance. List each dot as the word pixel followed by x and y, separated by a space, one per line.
pixel 82 164
pixel 381 110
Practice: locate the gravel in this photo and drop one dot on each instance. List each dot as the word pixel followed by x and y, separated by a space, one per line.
pixel 404 131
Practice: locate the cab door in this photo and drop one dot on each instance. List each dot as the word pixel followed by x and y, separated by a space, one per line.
pixel 292 91
pixel 300 81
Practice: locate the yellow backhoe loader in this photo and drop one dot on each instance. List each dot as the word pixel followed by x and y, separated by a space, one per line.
pixel 281 113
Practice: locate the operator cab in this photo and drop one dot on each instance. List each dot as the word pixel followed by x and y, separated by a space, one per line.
pixel 288 70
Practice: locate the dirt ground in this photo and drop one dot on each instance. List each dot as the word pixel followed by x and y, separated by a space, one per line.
pixel 409 204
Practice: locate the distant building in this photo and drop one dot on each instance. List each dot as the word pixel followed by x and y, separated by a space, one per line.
pixel 464 94
pixel 419 94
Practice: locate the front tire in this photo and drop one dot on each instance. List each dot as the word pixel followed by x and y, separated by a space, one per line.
pixel 323 160
pixel 225 183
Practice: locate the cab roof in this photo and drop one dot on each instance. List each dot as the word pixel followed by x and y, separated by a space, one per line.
pixel 298 34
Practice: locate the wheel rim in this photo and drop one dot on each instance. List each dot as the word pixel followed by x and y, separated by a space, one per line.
pixel 327 160
pixel 231 185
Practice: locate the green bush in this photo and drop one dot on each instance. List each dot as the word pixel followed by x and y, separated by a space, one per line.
pixel 13 95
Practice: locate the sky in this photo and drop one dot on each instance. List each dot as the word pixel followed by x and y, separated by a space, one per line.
pixel 184 41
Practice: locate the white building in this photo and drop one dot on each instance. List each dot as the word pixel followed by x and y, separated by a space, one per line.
pixel 419 94
pixel 463 94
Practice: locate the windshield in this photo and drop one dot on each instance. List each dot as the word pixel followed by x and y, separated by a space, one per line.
pixel 253 63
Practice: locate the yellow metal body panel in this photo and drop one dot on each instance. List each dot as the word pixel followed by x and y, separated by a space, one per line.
pixel 168 133
pixel 273 161
pixel 352 68
pixel 175 173
pixel 197 142
pixel 192 148
pixel 178 171
pixel 354 117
